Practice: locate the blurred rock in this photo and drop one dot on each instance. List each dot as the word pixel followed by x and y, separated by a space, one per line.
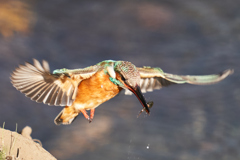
pixel 17 147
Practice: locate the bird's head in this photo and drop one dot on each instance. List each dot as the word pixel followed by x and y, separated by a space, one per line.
pixel 125 75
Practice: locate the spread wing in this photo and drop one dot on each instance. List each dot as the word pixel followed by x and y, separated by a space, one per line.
pixel 59 88
pixel 155 78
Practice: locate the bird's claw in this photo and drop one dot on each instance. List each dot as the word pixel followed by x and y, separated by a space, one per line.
pixel 89 120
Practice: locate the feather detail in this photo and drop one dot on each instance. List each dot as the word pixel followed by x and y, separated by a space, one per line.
pixel 155 78
pixel 37 83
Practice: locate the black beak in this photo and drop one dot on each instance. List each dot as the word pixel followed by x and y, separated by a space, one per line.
pixel 138 93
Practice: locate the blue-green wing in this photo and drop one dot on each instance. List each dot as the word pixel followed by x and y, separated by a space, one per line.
pixel 155 78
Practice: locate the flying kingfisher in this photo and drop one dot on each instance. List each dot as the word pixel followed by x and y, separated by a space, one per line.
pixel 85 89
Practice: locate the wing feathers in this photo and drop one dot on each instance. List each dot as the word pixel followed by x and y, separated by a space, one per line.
pixel 155 78
pixel 46 66
pixel 52 100
pixel 38 65
pixel 48 97
pixel 36 82
pixel 198 80
pixel 59 89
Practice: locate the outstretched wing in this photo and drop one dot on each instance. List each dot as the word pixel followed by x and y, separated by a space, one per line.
pixel 155 78
pixel 58 89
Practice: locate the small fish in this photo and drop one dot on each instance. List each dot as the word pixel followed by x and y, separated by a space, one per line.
pixel 149 104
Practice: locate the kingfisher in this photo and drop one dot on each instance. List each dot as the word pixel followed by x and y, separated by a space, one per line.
pixel 79 90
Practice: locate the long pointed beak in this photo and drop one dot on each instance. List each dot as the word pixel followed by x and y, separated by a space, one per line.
pixel 138 93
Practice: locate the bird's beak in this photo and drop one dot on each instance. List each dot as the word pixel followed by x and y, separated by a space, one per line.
pixel 137 91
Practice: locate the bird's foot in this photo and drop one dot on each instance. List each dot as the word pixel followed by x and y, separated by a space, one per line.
pixel 84 112
pixel 89 120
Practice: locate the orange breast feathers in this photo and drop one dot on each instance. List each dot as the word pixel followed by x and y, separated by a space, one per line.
pixel 96 90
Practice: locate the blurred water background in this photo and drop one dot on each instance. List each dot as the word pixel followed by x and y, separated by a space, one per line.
pixel 182 37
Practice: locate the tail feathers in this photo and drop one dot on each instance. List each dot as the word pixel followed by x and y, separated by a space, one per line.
pixel 66 116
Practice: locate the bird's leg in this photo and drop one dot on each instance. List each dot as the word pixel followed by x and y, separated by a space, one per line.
pixel 92 113
pixel 84 112
pixel 149 104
